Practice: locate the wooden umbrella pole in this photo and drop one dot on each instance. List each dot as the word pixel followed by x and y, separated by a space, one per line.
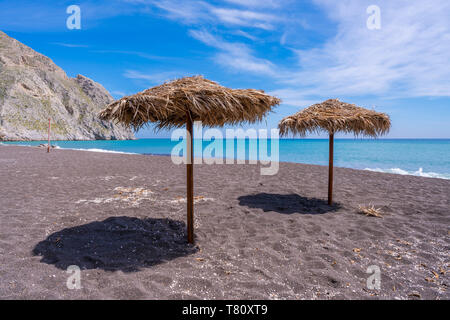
pixel 49 126
pixel 190 179
pixel 330 170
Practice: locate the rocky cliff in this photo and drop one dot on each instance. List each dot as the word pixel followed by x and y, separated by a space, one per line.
pixel 34 89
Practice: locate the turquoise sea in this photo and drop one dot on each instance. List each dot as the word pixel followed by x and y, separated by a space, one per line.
pixel 421 157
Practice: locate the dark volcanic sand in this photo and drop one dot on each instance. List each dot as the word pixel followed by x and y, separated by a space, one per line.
pixel 268 237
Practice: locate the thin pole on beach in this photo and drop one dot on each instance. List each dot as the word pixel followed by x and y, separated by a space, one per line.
pixel 330 170
pixel 190 179
pixel 49 127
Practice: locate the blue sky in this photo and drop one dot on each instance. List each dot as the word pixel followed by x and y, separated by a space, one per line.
pixel 301 51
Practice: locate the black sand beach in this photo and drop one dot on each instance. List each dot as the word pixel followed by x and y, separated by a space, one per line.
pixel 121 219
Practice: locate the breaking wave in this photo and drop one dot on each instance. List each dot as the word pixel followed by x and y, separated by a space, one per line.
pixel 99 150
pixel 419 173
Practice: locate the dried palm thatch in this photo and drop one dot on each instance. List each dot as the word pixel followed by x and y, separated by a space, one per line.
pixel 370 210
pixel 204 100
pixel 181 102
pixel 333 115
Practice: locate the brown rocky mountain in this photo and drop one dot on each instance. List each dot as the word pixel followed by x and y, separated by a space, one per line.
pixel 33 89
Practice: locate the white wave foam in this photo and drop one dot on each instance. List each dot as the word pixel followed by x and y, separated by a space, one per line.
pixel 99 150
pixel 78 149
pixel 419 173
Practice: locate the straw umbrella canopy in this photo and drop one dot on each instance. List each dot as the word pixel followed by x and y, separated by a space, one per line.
pixel 335 116
pixel 181 102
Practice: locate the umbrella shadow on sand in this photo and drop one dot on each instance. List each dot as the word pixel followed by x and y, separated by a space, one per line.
pixel 287 203
pixel 117 243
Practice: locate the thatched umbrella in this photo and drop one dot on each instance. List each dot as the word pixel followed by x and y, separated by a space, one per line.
pixel 181 102
pixel 334 116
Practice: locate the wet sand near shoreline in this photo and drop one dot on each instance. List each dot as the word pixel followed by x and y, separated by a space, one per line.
pixel 121 219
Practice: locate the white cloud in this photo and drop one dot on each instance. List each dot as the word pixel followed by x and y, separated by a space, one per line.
pixel 70 45
pixel 407 57
pixel 233 55
pixel 246 35
pixel 244 18
pixel 236 56
pixel 118 93
pixel 256 3
pixel 132 53
pixel 197 12
pixel 153 78
pixel 186 11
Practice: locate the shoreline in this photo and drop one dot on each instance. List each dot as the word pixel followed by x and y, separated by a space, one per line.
pixel 394 171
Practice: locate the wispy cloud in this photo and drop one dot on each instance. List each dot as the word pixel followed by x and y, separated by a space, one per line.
pixel 245 35
pixel 153 78
pixel 233 55
pixel 256 3
pixel 198 12
pixel 132 53
pixel 186 11
pixel 70 45
pixel 407 57
pixel 245 18
pixel 118 93
pixel 236 56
